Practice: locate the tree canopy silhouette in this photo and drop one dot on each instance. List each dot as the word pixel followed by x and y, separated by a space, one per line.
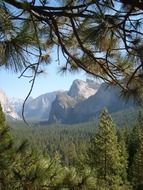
pixel 102 37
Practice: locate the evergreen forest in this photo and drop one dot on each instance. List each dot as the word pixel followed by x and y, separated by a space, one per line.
pixel 103 38
pixel 91 156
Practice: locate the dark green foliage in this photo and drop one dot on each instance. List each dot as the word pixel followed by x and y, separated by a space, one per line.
pixel 123 136
pixel 69 141
pixel 55 157
pixel 5 152
pixel 136 154
pixel 134 142
pixel 24 168
pixel 104 154
pixel 137 165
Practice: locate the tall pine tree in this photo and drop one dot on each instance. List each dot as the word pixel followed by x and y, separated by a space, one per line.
pixel 105 154
pixel 136 155
pixel 134 142
pixel 5 153
pixel 137 166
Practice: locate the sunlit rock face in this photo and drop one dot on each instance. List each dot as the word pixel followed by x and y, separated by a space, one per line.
pixel 61 110
pixel 82 89
pixel 6 106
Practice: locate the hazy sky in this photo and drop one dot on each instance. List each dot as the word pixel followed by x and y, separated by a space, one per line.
pixel 51 81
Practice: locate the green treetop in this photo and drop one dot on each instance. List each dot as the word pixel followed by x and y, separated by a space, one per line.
pixel 105 154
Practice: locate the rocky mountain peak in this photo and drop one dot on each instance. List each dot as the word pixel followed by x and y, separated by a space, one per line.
pixel 81 89
pixel 52 106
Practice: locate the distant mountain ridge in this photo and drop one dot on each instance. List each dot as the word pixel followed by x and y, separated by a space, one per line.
pixel 40 106
pixel 89 109
pixel 64 102
pixel 81 103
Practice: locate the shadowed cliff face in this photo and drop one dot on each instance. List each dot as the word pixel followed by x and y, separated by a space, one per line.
pixel 108 97
pixel 90 108
pixel 83 102
pixel 39 108
pixel 65 102
pixel 61 107
pixel 56 103
pixel 54 106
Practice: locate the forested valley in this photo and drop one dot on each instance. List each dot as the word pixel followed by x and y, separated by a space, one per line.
pixel 87 156
pixel 103 38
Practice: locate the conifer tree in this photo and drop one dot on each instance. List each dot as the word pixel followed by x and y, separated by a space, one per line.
pixel 137 166
pixel 104 154
pixel 123 136
pixel 136 154
pixel 134 143
pixel 78 180
pixel 5 153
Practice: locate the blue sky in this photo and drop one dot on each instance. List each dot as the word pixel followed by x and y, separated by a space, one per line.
pixel 51 81
pixel 15 87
